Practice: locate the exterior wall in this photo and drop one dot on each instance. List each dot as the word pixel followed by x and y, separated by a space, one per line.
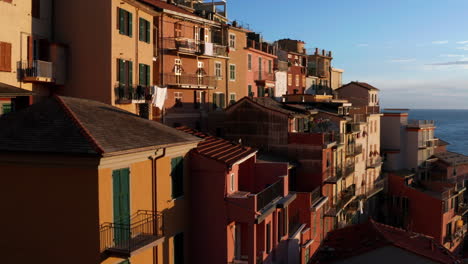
pixel 393 138
pixel 21 25
pixel 386 255
pixel 295 71
pixel 355 94
pixel 252 75
pixel 44 199
pixel 281 84
pixel 336 78
pixel 311 82
pixel 237 56
pixel 372 149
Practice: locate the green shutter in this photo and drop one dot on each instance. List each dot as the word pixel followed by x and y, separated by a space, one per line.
pixel 141 74
pixel 148 31
pixel 148 75
pixel 215 100
pixel 121 203
pixel 130 24
pixel 121 66
pixel 130 72
pixel 177 176
pixel 222 100
pixel 141 30
pixel 121 21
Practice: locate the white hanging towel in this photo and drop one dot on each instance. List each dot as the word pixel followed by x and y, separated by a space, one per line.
pixel 159 96
pixel 361 207
pixel 209 48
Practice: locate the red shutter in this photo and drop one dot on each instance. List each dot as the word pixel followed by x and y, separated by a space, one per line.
pixel 30 49
pixel 2 57
pixel 8 1
pixel 7 56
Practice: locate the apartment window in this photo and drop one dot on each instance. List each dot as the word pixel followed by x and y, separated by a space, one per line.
pixel 218 72
pixel 232 181
pixel 270 67
pixel 260 67
pixel 260 91
pixel 177 177
pixel 303 81
pixel 144 32
pixel 35 8
pixel 125 22
pixel 5 56
pixel 178 99
pixel 232 72
pixel 200 70
pixel 196 33
pixel 232 41
pixel 144 75
pixel 177 30
pixel 179 248
pixel 125 72
pixel 249 62
pixel 249 90
pixel 289 79
pixel 232 98
pixel 268 238
pixel 199 99
pixel 6 108
pixel 218 101
pixel 297 81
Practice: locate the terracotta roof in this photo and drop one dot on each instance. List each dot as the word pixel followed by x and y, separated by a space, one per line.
pixel 78 126
pixel 165 6
pixel 359 239
pixel 452 158
pixel 272 104
pixel 361 84
pixel 219 149
pixel 12 91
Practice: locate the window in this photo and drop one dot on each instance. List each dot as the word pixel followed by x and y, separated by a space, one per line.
pixel 232 99
pixel 179 248
pixel 125 22
pixel 218 101
pixel 260 68
pixel 199 99
pixel 279 221
pixel 144 33
pixel 196 33
pixel 5 56
pixel 289 79
pixel 270 67
pixel 249 62
pixel 249 90
pixel 232 41
pixel 232 181
pixel 144 75
pixel 303 81
pixel 125 73
pixel 177 177
pixel 178 99
pixel 6 108
pixel 232 72
pixel 177 30
pixel 35 8
pixel 260 91
pixel 268 238
pixel 297 81
pixel 218 72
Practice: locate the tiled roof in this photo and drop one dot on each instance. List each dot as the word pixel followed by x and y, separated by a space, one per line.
pixel 12 91
pixel 219 149
pixel 165 6
pixel 452 158
pixel 362 84
pixel 359 239
pixel 277 106
pixel 78 126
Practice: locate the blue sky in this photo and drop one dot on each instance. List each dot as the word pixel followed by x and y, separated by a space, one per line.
pixel 415 51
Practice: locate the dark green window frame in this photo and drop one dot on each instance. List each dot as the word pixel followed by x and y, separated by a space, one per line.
pixel 144 30
pixel 144 74
pixel 125 22
pixel 177 177
pixel 7 108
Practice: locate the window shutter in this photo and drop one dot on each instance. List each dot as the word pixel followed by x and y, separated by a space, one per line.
pixel 7 52
pixel 141 74
pixel 148 75
pixel 141 31
pixel 222 100
pixel 125 181
pixel 130 72
pixel 121 21
pixel 121 65
pixel 215 100
pixel 148 32
pixel 130 24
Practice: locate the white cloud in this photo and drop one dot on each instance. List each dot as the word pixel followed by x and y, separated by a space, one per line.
pixel 362 45
pixel 438 42
pixel 463 48
pixel 462 42
pixel 452 55
pixel 401 60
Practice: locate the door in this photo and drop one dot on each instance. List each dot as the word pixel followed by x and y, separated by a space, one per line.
pixel 237 242
pixel 121 197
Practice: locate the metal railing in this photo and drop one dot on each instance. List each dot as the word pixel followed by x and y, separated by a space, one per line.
pixel 458 234
pixel 352 127
pixel 264 76
pixel 315 194
pixel 182 44
pixel 349 169
pixel 133 92
pixel 220 50
pixel 269 194
pixel 36 68
pixel 353 150
pixel 189 80
pixel 462 209
pixel 143 228
pixel 420 123
pixel 374 162
pixel 375 188
pixel 345 196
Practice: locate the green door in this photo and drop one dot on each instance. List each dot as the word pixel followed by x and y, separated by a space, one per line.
pixel 121 206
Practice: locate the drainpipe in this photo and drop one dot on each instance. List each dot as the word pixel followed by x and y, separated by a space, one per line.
pixel 154 208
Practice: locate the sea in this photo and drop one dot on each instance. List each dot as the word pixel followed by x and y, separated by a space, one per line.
pixel 451 126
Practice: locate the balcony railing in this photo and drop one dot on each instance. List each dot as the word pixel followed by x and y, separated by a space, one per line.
pixel 462 209
pixel 349 169
pixel 345 196
pixel 420 123
pixel 374 162
pixel 121 239
pixel 264 76
pixel 375 188
pixel 191 80
pixel 352 127
pixel 220 50
pixel 132 92
pixel 315 195
pixel 36 71
pixel 186 45
pixel 353 150
pixel 457 235
pixel 269 194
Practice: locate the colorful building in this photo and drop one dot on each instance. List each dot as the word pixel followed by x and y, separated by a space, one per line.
pixel 294 53
pixel 239 207
pixel 116 192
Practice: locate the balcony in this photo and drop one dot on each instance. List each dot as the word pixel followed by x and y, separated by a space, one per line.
pixel 352 128
pixel 126 94
pixel 184 45
pixel 375 188
pixel 190 81
pixel 459 234
pixel 345 197
pixel 264 76
pixel 269 194
pixel 124 240
pixel 353 150
pixel 461 209
pixel 374 162
pixel 349 169
pixel 420 123
pixel 219 50
pixel 36 71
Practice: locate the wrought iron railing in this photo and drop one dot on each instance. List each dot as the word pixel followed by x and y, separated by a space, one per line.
pixel 345 196
pixel 349 169
pixel 374 162
pixel 182 45
pixel 375 188
pixel 189 80
pixel 220 50
pixel 143 228
pixel 269 194
pixel 35 68
pixel 462 209
pixel 133 92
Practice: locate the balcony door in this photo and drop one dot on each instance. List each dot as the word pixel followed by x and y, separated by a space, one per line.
pixel 121 198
